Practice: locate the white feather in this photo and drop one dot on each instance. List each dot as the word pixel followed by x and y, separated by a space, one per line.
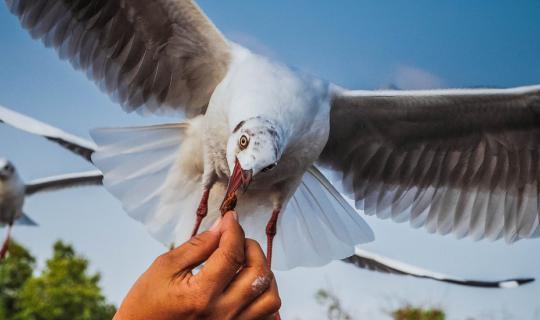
pixel 137 165
pixel 317 226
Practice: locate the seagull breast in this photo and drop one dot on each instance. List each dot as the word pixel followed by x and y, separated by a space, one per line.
pixel 11 198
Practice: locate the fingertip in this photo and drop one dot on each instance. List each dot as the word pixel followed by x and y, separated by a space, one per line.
pixel 229 219
pixel 231 213
pixel 228 216
pixel 253 245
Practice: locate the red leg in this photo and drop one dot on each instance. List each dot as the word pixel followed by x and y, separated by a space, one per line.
pixel 5 245
pixel 271 229
pixel 202 210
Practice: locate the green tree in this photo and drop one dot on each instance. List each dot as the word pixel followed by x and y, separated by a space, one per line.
pixel 15 270
pixel 63 291
pixel 335 311
pixel 412 313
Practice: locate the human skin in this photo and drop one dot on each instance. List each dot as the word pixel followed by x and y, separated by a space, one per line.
pixel 234 282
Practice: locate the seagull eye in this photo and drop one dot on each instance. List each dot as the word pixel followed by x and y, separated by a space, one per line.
pixel 243 142
pixel 268 168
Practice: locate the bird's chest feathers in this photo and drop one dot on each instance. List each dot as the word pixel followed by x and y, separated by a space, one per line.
pixel 11 198
pixel 216 134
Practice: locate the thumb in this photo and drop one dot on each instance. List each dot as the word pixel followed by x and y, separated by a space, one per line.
pixel 197 249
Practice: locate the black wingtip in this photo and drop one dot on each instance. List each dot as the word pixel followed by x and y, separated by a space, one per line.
pixel 525 281
pixel 514 283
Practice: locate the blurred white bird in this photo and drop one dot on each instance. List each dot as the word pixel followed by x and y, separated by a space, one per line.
pixel 13 191
pixel 459 161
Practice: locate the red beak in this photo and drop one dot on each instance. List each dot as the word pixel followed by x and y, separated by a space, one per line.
pixel 239 178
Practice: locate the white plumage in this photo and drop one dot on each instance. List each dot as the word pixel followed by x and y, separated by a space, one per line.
pixel 156 172
pixel 13 192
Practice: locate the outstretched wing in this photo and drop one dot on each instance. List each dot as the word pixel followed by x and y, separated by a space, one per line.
pixel 370 261
pixel 70 180
pixel 163 54
pixel 79 146
pixel 456 161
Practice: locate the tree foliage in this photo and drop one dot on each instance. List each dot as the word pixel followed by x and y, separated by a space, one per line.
pixel 15 270
pixel 64 289
pixel 335 310
pixel 412 313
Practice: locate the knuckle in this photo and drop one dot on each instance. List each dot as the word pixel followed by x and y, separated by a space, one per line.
pixel 274 303
pixel 253 243
pixel 162 260
pixel 197 241
pixel 261 282
pixel 264 272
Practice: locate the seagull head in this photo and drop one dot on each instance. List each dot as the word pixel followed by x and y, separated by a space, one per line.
pixel 7 170
pixel 254 147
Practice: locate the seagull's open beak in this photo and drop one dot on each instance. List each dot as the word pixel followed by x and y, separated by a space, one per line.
pixel 240 178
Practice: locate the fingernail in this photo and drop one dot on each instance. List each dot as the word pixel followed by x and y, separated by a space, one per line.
pixel 215 226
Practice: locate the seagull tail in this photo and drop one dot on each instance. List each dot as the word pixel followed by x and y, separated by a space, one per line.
pixel 155 171
pixel 25 220
pixel 317 226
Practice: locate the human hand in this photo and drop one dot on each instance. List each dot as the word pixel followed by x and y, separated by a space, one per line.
pixel 234 283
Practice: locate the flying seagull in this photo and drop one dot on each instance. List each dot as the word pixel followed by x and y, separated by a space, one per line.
pixel 362 259
pixel 12 189
pixel 13 192
pixel 461 161
pixel 370 261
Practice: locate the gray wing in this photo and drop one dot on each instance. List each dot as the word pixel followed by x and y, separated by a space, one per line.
pixel 373 262
pixel 64 181
pixel 455 161
pixel 77 145
pixel 162 54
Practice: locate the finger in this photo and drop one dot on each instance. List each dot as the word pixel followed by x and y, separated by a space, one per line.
pixel 254 279
pixel 264 306
pixel 195 251
pixel 226 260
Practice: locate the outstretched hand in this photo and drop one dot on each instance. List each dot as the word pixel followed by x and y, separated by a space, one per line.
pixel 234 283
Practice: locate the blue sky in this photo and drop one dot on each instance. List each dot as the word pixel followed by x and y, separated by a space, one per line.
pixel 357 44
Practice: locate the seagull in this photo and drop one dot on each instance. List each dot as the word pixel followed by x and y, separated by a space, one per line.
pixel 13 192
pixel 371 261
pixel 361 258
pixel 460 161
